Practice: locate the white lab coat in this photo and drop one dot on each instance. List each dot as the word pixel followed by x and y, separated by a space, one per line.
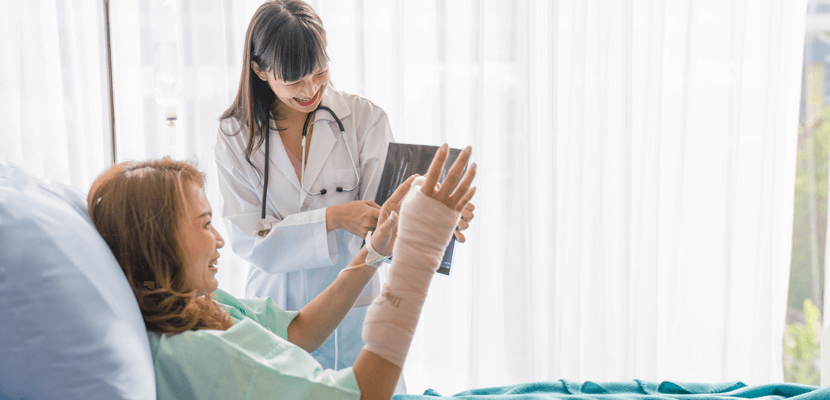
pixel 298 258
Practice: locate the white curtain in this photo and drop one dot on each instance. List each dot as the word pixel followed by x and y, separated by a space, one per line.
pixel 636 167
pixel 637 163
pixel 674 189
pixel 53 100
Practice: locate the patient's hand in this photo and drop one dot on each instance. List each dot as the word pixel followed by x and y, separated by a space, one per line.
pixel 383 239
pixel 455 197
pixel 467 216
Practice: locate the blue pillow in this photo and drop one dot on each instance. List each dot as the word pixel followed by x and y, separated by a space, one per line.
pixel 70 327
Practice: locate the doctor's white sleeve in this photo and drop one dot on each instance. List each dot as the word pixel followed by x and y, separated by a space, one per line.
pixel 297 242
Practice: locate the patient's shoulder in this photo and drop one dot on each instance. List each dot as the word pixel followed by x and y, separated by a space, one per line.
pixel 263 311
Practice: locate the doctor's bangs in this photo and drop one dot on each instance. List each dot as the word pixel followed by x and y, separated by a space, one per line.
pixel 298 50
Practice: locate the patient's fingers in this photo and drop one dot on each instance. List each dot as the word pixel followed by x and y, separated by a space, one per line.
pixel 463 186
pixel 384 228
pixel 465 199
pixel 389 207
pixel 401 191
pixel 454 174
pixel 435 168
pixel 453 193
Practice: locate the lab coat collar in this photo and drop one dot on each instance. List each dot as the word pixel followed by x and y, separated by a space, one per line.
pixel 333 98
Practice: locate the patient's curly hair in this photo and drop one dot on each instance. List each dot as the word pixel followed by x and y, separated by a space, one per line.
pixel 137 207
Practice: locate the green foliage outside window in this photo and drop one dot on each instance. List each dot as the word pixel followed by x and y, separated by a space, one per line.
pixel 801 273
pixel 803 332
pixel 801 348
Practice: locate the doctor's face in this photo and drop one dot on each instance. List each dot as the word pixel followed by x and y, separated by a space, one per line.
pixel 303 95
pixel 199 241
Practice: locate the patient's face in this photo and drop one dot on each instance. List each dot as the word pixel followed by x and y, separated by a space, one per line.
pixel 199 241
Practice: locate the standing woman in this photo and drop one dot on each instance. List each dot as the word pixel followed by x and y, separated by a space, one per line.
pixel 313 155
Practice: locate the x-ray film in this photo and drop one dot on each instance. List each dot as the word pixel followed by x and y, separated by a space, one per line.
pixel 404 160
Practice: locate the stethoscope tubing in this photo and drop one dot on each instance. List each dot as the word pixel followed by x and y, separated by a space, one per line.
pixel 348 149
pixel 302 169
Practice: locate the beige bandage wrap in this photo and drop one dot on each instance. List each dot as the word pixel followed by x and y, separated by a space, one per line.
pixel 425 229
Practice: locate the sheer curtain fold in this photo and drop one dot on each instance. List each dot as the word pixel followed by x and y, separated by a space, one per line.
pixel 636 162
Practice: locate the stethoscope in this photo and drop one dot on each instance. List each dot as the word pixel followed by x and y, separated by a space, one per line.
pixel 302 170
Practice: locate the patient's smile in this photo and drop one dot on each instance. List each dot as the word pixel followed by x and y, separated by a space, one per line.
pixel 200 242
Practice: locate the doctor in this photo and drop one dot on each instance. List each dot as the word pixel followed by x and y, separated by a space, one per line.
pixel 313 156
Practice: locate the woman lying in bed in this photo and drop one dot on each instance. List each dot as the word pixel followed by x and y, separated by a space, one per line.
pixel 207 344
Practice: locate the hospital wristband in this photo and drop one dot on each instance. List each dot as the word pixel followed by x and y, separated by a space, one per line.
pixel 373 259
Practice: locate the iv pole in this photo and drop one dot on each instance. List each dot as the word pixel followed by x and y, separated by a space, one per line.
pixel 110 98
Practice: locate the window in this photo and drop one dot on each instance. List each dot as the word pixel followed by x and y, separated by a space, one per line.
pixel 806 293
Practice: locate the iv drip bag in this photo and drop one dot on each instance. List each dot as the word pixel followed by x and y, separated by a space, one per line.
pixel 167 79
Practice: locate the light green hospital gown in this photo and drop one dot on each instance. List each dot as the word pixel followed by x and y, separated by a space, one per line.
pixel 251 360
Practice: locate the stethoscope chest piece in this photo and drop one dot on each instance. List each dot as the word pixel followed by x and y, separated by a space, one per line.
pixel 262 227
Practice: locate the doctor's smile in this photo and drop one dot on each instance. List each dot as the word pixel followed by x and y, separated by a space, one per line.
pixel 307 102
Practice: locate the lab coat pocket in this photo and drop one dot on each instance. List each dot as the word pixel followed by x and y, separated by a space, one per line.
pixel 343 178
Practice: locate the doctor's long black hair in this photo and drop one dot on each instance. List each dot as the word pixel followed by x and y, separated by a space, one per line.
pixel 285 38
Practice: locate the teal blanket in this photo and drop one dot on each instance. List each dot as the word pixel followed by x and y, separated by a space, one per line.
pixel 637 390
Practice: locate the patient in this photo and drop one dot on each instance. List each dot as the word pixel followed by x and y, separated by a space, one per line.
pixel 155 218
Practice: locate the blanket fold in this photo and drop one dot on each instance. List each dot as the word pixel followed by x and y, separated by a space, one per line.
pixel 633 390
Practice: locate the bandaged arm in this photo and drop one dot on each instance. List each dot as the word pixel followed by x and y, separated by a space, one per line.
pixel 424 230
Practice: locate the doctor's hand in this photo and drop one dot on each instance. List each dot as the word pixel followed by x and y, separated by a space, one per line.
pixel 467 216
pixel 357 217
pixel 383 239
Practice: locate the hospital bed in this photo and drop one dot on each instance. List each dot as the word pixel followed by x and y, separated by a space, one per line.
pixel 70 327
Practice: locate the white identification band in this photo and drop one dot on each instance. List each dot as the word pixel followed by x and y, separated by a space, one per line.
pixel 373 259
pixel 426 226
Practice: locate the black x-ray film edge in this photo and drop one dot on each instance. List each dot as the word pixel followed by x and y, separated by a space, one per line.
pixel 402 161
